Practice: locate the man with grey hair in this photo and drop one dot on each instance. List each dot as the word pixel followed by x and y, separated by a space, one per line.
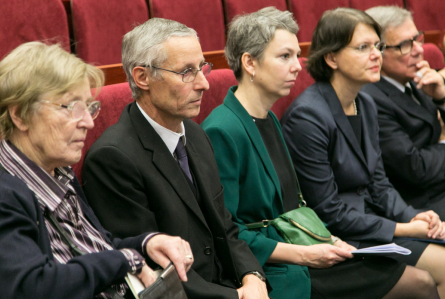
pixel 155 169
pixel 409 96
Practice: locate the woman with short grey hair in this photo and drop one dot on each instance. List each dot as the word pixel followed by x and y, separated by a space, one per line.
pixel 258 177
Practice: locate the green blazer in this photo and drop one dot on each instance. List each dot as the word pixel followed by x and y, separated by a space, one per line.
pixel 252 190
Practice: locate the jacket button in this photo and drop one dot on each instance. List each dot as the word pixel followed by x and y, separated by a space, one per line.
pixel 361 190
pixel 207 250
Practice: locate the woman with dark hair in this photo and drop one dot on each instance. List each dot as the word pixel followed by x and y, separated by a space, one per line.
pixel 331 131
pixel 260 183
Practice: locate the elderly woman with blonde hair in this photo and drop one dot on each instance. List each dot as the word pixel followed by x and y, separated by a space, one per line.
pixel 52 245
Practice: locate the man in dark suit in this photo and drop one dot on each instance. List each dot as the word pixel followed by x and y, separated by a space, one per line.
pixel 409 97
pixel 155 169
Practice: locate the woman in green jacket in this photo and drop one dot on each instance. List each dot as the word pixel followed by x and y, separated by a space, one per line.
pixel 260 183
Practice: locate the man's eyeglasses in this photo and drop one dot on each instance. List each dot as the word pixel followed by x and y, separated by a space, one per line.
pixel 189 74
pixel 366 48
pixel 77 109
pixel 406 46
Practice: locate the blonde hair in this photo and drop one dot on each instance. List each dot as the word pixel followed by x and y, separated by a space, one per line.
pixel 34 70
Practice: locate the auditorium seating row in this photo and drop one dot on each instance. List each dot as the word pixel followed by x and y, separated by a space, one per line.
pixel 115 97
pixel 97 26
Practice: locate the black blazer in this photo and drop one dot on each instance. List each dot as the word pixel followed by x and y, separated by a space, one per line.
pixel 137 186
pixel 409 134
pixel 346 187
pixel 27 266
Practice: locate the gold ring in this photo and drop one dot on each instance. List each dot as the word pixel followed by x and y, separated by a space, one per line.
pixel 189 257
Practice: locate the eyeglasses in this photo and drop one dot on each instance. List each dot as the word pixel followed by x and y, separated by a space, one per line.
pixel 77 109
pixel 406 46
pixel 189 74
pixel 366 48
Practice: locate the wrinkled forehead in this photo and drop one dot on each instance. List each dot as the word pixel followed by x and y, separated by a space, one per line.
pixel 183 52
pixel 395 35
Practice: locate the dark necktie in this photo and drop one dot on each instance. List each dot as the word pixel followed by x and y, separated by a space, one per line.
pixel 409 93
pixel 181 155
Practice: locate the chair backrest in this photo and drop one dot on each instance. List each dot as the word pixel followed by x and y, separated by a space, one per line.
pixel 238 7
pixel 307 14
pixel 365 4
pixel 434 56
pixel 304 80
pixel 114 98
pixel 205 16
pixel 427 14
pixel 100 25
pixel 23 21
pixel 219 82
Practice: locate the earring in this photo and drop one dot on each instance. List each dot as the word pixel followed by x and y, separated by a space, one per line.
pixel 251 77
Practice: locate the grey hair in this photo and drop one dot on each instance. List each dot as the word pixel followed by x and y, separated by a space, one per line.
pixel 389 17
pixel 251 33
pixel 143 46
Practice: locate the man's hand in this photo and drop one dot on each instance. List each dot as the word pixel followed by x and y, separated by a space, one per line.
pixel 430 81
pixel 163 248
pixel 253 288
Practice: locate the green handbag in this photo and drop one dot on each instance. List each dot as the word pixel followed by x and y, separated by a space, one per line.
pixel 300 226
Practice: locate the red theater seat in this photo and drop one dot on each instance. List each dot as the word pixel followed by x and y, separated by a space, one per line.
pixel 205 16
pixel 238 7
pixel 23 21
pixel 113 98
pixel 219 81
pixel 427 14
pixel 99 26
pixel 434 56
pixel 304 80
pixel 365 4
pixel 307 14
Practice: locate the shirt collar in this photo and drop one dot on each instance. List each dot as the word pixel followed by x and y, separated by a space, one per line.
pixel 169 137
pixel 397 84
pixel 48 189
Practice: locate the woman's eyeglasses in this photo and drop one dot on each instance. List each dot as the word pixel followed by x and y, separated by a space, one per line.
pixel 366 48
pixel 77 109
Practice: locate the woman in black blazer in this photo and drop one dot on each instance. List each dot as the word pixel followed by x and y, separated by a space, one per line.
pixel 332 134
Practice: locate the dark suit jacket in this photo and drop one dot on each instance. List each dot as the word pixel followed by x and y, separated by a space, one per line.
pixel 27 266
pixel 414 161
pixel 347 188
pixel 138 186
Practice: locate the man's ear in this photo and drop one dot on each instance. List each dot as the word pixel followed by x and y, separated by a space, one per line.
pixel 248 63
pixel 141 78
pixel 331 60
pixel 17 119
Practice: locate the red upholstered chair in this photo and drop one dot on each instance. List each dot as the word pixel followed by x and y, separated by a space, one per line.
pixel 434 56
pixel 307 14
pixel 304 80
pixel 427 14
pixel 365 4
pixel 99 26
pixel 237 7
pixel 219 81
pixel 31 20
pixel 205 16
pixel 113 98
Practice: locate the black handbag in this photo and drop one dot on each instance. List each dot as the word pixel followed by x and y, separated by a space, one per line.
pixel 167 285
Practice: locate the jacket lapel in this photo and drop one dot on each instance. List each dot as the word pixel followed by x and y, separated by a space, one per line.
pixel 341 119
pixel 252 131
pixel 404 102
pixel 163 160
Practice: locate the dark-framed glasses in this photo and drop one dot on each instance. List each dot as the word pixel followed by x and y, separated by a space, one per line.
pixel 77 109
pixel 366 48
pixel 406 46
pixel 189 74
